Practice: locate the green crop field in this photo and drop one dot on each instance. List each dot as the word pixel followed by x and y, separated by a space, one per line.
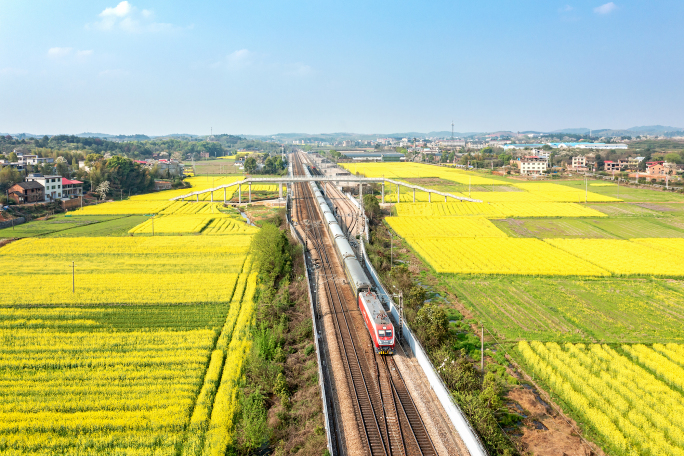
pixel 625 210
pixel 114 227
pixel 599 228
pixel 631 228
pixel 55 224
pixel 579 310
pixel 550 228
pixel 627 194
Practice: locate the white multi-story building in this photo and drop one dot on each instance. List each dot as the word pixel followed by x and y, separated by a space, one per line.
pixel 52 184
pixel 452 143
pixel 579 162
pixel 532 165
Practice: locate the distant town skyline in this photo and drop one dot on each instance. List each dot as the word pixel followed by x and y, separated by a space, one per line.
pixel 259 68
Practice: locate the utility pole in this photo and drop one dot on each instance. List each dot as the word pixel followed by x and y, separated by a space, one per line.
pixel 482 349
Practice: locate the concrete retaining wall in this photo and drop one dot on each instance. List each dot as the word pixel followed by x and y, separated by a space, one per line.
pixel 456 415
pixel 318 334
pixel 10 223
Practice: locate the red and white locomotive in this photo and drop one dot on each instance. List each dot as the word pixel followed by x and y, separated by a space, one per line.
pixel 378 323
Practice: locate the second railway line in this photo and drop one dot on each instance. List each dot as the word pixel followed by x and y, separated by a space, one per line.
pixel 386 417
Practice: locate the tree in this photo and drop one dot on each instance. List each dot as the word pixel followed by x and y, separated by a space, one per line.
pixel 92 158
pixel 270 250
pixel 103 189
pixel 433 324
pixel 254 429
pixel 673 157
pixel 8 177
pixel 371 206
pixel 13 157
pixel 250 165
pixel 599 162
pixel 62 167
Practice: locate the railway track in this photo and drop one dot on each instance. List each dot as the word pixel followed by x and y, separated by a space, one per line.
pixel 388 420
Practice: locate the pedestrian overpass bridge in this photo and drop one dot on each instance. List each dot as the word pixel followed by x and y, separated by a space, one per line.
pixel 280 180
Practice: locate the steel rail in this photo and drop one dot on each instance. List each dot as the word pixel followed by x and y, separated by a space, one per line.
pixel 355 370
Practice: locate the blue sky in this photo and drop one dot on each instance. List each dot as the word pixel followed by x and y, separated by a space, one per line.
pixel 262 67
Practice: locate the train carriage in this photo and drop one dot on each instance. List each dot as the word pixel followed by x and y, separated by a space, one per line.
pixel 378 323
pixel 356 275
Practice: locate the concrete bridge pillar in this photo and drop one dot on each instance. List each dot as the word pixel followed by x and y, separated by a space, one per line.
pixel 429 197
pixel 383 192
pixel 281 189
pixel 414 195
pixel 239 193
pixel 250 193
pixel 224 195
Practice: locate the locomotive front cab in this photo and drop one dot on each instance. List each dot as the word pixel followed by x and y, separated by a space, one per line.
pixel 386 340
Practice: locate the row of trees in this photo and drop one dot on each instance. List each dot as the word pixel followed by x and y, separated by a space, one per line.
pixel 273 164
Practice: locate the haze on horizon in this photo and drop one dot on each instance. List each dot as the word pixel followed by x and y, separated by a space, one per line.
pixel 265 67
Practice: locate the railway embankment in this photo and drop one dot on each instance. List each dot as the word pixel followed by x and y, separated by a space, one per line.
pixel 394 409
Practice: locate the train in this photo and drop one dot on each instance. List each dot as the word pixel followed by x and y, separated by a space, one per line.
pixel 374 315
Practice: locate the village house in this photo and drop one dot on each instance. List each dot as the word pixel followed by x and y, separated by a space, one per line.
pixel 26 192
pixel 71 188
pixel 52 185
pixel 532 165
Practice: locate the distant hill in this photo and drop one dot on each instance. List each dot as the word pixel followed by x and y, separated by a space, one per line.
pixel 653 129
pixel 573 131
pixel 94 135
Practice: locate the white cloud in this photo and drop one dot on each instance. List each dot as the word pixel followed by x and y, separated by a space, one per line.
pixel 241 56
pixel 86 53
pixel 606 8
pixel 246 60
pixel 566 9
pixel 59 52
pixel 128 18
pixel 236 60
pixel 120 10
pixel 298 69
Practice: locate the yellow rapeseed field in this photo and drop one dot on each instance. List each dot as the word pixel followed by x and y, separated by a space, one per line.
pixel 632 400
pixel 72 385
pixel 418 170
pixel 497 210
pixel 125 270
pixel 132 207
pixel 622 257
pixel 501 256
pixel 424 227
